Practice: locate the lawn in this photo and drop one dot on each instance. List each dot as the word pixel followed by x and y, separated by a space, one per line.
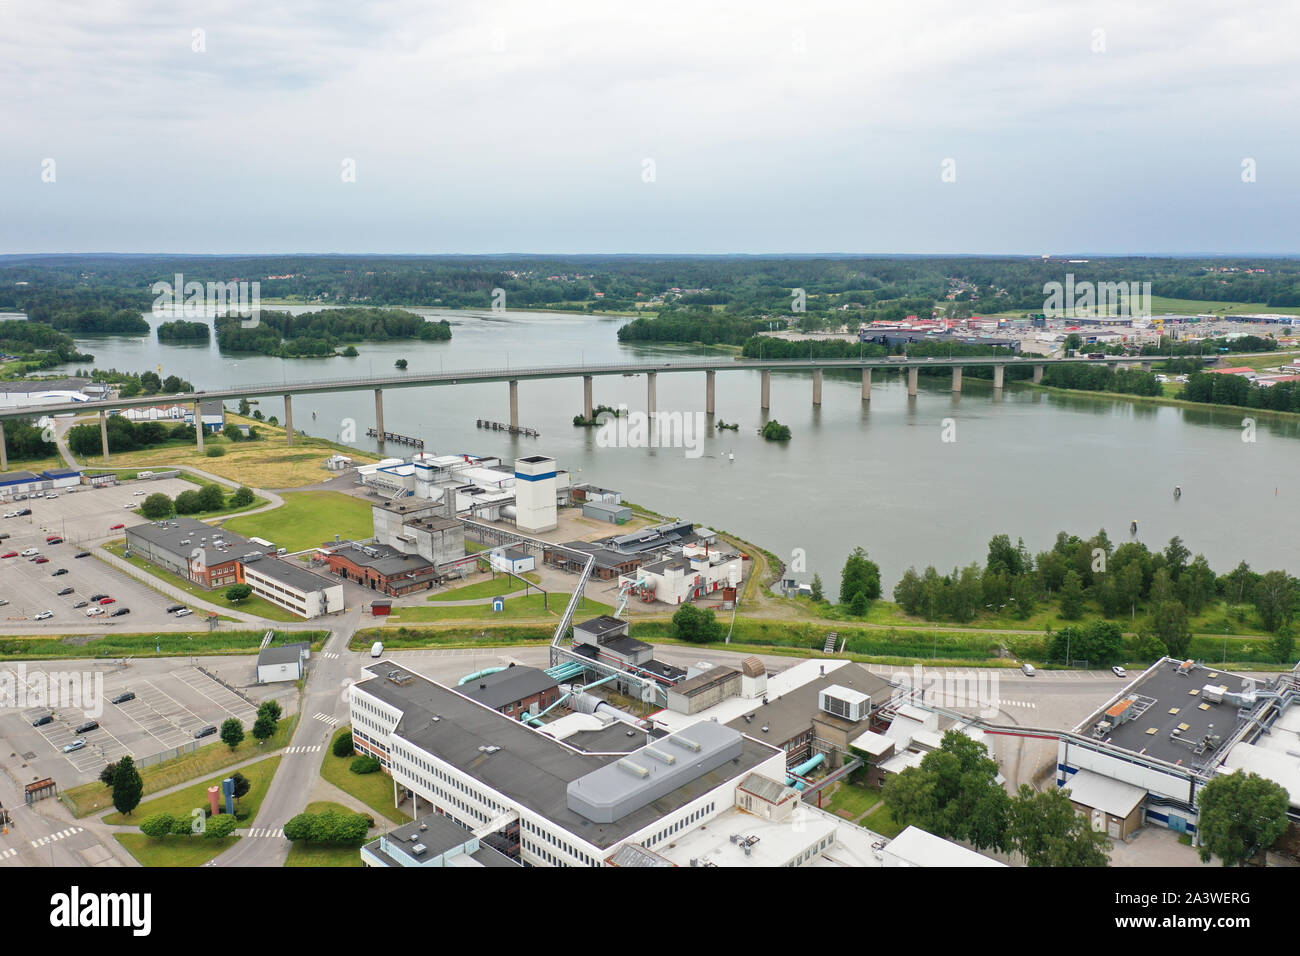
pixel 375 790
pixel 93 796
pixel 266 463
pixel 853 799
pixel 250 605
pixel 309 854
pixel 166 644
pixel 173 850
pixel 182 802
pixel 499 584
pixel 531 607
pixel 882 821
pixel 308 519
pixel 399 637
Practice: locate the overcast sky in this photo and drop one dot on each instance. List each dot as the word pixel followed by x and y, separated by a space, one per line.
pixel 1065 126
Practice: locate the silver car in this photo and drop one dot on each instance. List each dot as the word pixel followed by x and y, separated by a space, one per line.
pixel 75 745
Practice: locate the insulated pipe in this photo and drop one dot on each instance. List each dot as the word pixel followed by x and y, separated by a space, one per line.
pixel 477 674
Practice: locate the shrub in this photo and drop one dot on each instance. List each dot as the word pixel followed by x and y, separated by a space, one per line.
pixel 214 451
pixel 158 825
pixel 365 764
pixel 343 745
pixel 219 828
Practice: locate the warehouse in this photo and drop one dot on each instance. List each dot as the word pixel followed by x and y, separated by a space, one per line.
pixel 380 568
pixel 287 662
pixel 513 561
pixel 291 586
pixel 605 511
pixel 198 552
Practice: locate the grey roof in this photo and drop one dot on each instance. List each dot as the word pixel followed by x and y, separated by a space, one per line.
pixel 60 472
pixel 530 768
pixel 793 712
pixel 169 534
pixel 10 477
pixel 605 557
pixel 281 654
pixel 507 686
pixel 601 625
pixel 667 564
pixel 388 561
pixel 1168 690
pixel 437 833
pixel 30 385
pixel 765 789
pixel 514 554
pixel 606 507
pixel 636 855
pixel 292 574
pixel 718 674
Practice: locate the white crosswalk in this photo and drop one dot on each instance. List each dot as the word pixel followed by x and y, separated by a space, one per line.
pixel 12 851
pixel 1018 703
pixel 329 655
pixel 266 832
pixel 53 837
pixel 302 750
pixel 326 719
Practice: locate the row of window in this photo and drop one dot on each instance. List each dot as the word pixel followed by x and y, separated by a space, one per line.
pixel 679 825
pixel 555 841
pixel 811 852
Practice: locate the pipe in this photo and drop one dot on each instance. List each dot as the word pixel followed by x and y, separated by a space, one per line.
pixel 803 770
pixel 477 674
pixel 591 704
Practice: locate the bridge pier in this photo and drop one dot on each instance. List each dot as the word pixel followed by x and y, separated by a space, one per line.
pixel 4 455
pixel 866 384
pixel 956 378
pixel 817 386
pixel 913 373
pixel 288 418
pixel 103 433
pixel 765 396
pixel 650 398
pixel 999 371
pixel 710 383
pixel 514 403
pixel 586 397
pixel 379 417
pixel 198 424
pixel 1038 374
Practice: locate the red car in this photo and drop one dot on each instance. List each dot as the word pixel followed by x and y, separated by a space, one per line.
pixel 108 601
pixel 9 554
pixel 116 527
pixel 54 539
pixel 41 560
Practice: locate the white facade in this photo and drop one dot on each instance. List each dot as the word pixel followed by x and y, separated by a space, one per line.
pixel 292 596
pixel 535 490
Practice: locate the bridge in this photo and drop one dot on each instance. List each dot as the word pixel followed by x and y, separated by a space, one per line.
pixel 588 373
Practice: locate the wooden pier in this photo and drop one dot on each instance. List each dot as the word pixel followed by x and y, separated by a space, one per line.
pixel 503 427
pixel 399 439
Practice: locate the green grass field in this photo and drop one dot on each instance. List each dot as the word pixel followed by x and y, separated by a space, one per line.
pixel 93 796
pixel 500 584
pixel 882 821
pixel 375 790
pixel 852 799
pixel 173 850
pixel 250 605
pixel 168 644
pixel 182 802
pixel 398 637
pixel 531 607
pixel 308 519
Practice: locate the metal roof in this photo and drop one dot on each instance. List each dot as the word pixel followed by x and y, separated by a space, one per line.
pixel 508 686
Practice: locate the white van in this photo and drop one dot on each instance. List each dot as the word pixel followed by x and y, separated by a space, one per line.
pixel 376 649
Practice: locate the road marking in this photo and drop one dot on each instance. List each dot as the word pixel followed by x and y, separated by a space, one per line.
pixel 12 851
pixel 55 837
pixel 326 719
pixel 330 655
pixel 303 749
pixel 266 832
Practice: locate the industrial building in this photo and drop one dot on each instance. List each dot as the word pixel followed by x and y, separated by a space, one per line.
pixel 379 567
pixel 1145 754
pixel 433 841
pixel 605 511
pixel 286 662
pixel 209 556
pixel 290 585
pixel 22 393
pixel 513 690
pixel 28 483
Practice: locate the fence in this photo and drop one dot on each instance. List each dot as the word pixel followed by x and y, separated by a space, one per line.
pixel 160 756
pixel 230 687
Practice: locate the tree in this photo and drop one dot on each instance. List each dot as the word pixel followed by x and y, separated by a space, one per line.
pixel 692 624
pixel 954 793
pixel 1239 584
pixel 909 592
pixel 238 592
pixel 1045 829
pixel 188 503
pixel 364 764
pixel 817 594
pixel 212 497
pixel 271 709
pixel 239 785
pixel 158 825
pixel 263 728
pixel 220 827
pixel 1162 588
pixel 343 746
pixel 1274 599
pixel 243 407
pixel 242 497
pixel 860 574
pixel 1051 570
pixel 1148 647
pixel 1003 557
pixel 157 506
pixel 1240 816
pixel 775 431
pixel 1025 596
pixel 150 383
pixel 1128 586
pixel 1176 555
pixel 1282 646
pixel 232 732
pixel 106 775
pixel 128 788
pixel 1170 624
pixel 400 363
pixel 1196 585
pixel 1072 596
pixel 859 606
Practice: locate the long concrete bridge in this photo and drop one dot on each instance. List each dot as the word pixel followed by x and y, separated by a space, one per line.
pixel 588 373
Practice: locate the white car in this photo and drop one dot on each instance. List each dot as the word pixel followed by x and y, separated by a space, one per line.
pixel 1119 671
pixel 139 493
pixel 12 514
pixel 94 611
pixel 50 497
pixel 184 612
pixel 31 553
pixel 130 506
pixel 43 616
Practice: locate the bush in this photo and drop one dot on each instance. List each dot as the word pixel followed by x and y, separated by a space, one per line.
pixel 219 828
pixel 158 825
pixel 242 497
pixel 156 506
pixel 214 451
pixel 343 745
pixel 365 764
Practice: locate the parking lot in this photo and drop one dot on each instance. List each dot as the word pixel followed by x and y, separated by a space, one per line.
pixel 173 699
pixel 82 517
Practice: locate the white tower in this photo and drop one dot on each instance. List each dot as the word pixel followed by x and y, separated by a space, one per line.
pixel 535 494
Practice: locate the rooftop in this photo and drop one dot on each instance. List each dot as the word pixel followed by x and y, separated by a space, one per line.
pixel 507 686
pixel 437 834
pixel 182 536
pixel 791 713
pixel 281 654
pixel 916 847
pixel 291 574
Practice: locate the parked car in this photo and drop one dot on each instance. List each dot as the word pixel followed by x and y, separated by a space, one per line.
pixel 77 744
pixel 94 611
pixel 138 494
pixel 82 554
pixel 123 697
pixel 30 552
pixel 98 597
pixel 53 539
pixel 1119 671
pixel 173 608
pixel 207 731
pixel 60 571
pixel 87 727
pixel 42 721
pixel 116 527
pixel 3 602
pixel 22 512
pixel 130 506
pixel 107 600
pixel 184 612
pixel 51 496
pixel 11 514
pixel 9 554
pixel 43 616
pixel 1028 670
pixel 65 591
pixel 81 604
pixel 42 559
pixel 120 611
pixel 4 536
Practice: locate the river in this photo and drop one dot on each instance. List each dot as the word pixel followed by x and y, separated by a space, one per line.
pixel 880 474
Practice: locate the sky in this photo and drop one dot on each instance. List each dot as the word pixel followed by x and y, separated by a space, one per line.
pixel 661 126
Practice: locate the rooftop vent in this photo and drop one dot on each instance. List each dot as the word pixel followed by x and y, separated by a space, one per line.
pixel 489 748
pixel 418 849
pixel 635 769
pixel 660 756
pixel 685 743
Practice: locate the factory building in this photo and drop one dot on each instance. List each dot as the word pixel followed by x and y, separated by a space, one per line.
pixel 209 556
pixel 290 585
pixel 535 487
pixel 433 841
pixel 379 567
pixel 514 690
